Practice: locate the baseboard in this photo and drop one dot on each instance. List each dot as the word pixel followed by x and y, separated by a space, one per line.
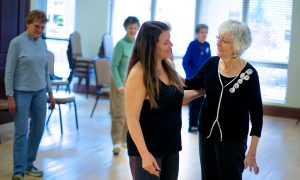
pixel 280 111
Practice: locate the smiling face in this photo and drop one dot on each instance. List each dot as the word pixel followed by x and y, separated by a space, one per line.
pixel 131 30
pixel 164 46
pixel 35 29
pixel 225 48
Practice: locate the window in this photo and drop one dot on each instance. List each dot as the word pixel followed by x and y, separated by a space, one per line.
pixel 61 18
pixel 181 16
pixel 124 8
pixel 61 23
pixel 269 21
pixel 214 13
pixel 270 24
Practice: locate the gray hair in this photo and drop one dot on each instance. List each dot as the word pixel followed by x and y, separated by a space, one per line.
pixel 240 34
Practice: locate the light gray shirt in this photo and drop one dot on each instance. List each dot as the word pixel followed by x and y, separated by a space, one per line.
pixel 27 65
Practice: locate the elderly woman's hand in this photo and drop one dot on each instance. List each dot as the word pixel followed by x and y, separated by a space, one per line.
pixel 250 161
pixel 11 104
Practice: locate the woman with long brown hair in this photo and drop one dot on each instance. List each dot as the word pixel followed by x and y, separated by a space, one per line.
pixel 153 98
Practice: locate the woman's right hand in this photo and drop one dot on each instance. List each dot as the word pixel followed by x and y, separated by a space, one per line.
pixel 149 164
pixel 11 104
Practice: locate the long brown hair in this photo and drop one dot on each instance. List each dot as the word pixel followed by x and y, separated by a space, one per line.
pixel 144 51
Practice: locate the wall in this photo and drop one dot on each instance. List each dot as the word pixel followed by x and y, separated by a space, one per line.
pixel 293 89
pixel 38 4
pixel 91 22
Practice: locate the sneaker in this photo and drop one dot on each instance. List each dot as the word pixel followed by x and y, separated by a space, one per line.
pixel 33 171
pixel 18 177
pixel 117 149
pixel 193 129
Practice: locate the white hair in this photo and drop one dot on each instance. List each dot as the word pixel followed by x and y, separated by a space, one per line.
pixel 240 34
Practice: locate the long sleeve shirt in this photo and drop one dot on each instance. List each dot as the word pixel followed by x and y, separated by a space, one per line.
pixel 196 55
pixel 27 65
pixel 228 105
pixel 120 59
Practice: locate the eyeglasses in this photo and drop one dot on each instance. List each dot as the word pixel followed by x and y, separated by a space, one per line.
pixel 222 40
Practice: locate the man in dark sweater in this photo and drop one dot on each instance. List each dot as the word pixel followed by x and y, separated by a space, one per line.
pixel 198 52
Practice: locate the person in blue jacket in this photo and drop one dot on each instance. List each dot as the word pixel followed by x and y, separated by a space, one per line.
pixel 198 52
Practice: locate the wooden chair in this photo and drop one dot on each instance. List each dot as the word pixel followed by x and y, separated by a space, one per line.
pixel 103 78
pixel 107 48
pixel 3 107
pixel 80 65
pixel 57 83
pixel 64 98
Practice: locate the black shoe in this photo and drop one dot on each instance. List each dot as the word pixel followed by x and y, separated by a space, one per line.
pixel 18 177
pixel 53 77
pixel 33 171
pixel 193 129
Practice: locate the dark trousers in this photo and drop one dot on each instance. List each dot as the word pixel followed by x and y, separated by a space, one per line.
pixel 194 107
pixel 169 166
pixel 221 160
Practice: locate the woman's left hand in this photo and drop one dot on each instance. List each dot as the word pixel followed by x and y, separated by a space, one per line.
pixel 250 161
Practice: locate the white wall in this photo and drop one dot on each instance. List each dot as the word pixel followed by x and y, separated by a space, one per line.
pixel 38 4
pixel 293 89
pixel 91 22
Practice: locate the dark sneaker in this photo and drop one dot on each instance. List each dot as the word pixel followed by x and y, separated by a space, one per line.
pixel 18 177
pixel 193 129
pixel 33 171
pixel 117 149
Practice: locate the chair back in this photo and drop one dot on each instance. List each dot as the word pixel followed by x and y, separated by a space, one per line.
pixel 75 44
pixel 50 62
pixel 103 72
pixel 108 46
pixel 81 68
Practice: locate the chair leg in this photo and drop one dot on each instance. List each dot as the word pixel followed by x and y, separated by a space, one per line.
pixel 51 111
pixel 68 89
pixel 87 86
pixel 97 98
pixel 60 120
pixel 76 118
pixel 79 83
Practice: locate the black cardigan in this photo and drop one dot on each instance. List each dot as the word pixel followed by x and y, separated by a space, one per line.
pixel 227 108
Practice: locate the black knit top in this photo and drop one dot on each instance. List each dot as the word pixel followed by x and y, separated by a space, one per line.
pixel 161 127
pixel 228 105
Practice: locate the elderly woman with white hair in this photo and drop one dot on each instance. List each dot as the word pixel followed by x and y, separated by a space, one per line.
pixel 233 99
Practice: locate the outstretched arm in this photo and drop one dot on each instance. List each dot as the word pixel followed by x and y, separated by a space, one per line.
pixel 190 95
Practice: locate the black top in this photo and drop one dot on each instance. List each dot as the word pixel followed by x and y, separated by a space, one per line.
pixel 225 79
pixel 161 127
pixel 228 105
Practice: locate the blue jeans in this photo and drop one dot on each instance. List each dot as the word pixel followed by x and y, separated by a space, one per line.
pixel 26 145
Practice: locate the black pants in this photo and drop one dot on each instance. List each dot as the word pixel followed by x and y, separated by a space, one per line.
pixel 221 160
pixel 169 166
pixel 194 107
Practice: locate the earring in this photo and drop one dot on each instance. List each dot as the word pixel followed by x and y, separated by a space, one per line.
pixel 234 56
